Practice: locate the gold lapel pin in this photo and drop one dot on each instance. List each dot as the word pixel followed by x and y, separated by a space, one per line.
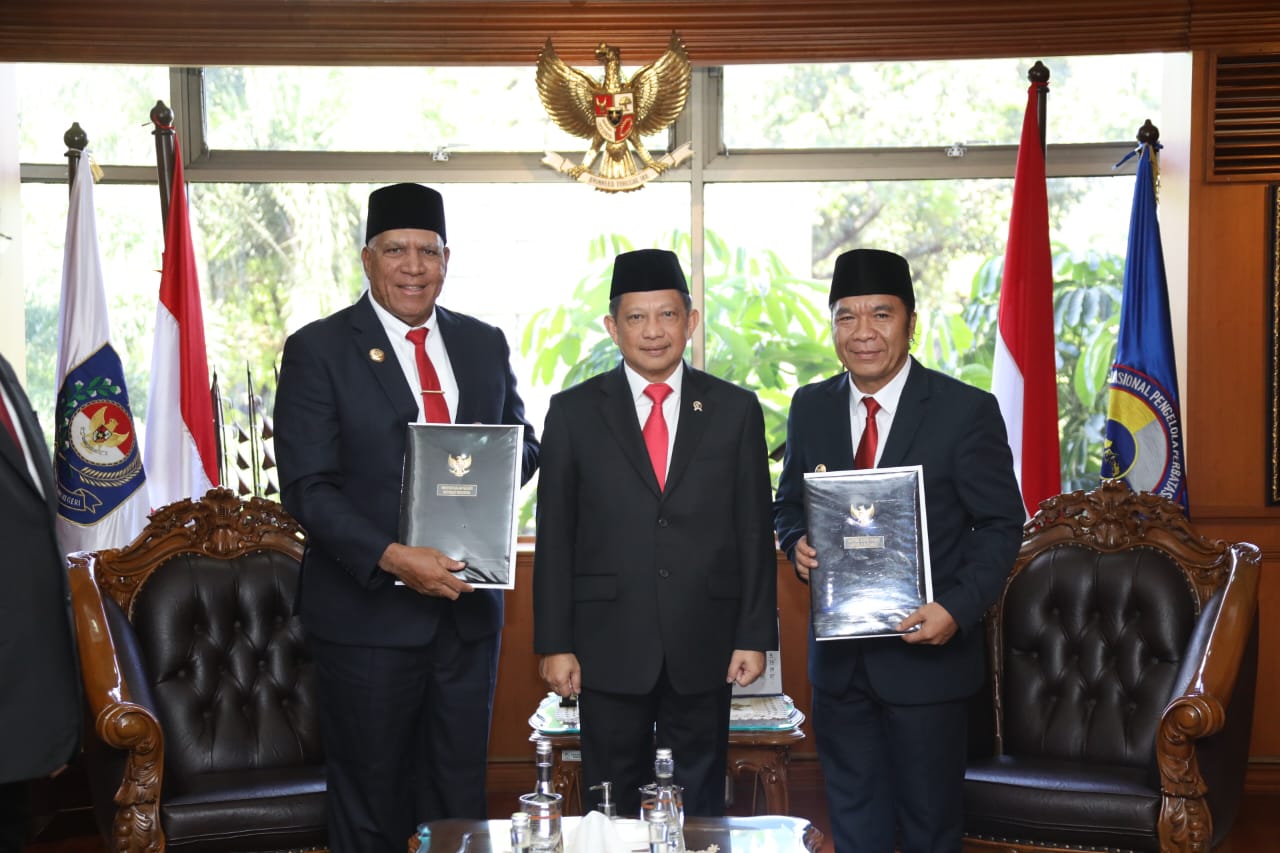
pixel 820 467
pixel 377 355
pixel 697 405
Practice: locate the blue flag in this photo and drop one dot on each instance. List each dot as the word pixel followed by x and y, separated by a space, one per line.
pixel 1144 441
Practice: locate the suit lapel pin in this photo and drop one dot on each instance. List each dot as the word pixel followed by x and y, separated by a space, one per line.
pixel 697 405
pixel 820 467
pixel 377 355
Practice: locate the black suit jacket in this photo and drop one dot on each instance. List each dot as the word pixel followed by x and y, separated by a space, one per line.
pixel 974 512
pixel 340 421
pixel 627 576
pixel 39 669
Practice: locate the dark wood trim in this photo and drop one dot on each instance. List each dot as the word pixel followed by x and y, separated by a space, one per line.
pixel 1262 776
pixel 487 32
pixel 1273 365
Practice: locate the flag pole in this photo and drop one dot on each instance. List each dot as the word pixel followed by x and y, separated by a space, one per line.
pixel 76 141
pixel 215 395
pixel 1039 73
pixel 253 431
pixel 1149 137
pixel 162 118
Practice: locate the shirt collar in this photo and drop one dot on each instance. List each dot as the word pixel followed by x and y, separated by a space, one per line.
pixel 890 394
pixel 397 328
pixel 638 383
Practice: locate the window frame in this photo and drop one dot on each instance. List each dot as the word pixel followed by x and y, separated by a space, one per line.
pixel 700 122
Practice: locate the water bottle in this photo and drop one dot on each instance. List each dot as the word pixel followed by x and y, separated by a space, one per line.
pixel 542 765
pixel 521 838
pixel 670 798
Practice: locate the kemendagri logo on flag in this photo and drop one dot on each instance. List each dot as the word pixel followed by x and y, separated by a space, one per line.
pixel 98 464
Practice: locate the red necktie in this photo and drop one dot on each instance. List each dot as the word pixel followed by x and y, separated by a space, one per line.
pixel 7 420
pixel 866 455
pixel 435 409
pixel 655 432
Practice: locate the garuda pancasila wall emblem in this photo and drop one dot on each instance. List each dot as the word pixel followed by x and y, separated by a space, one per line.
pixel 615 113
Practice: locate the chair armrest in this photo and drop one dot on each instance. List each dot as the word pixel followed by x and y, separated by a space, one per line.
pixel 1201 709
pixel 118 722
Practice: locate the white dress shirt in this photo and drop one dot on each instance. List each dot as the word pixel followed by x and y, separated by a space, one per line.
pixel 670 406
pixel 403 349
pixel 888 398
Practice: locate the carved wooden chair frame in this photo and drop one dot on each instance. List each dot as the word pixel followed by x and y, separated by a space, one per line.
pixel 219 525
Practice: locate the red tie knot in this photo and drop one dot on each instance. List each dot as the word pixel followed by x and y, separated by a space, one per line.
pixel 418 336
pixel 872 406
pixel 658 392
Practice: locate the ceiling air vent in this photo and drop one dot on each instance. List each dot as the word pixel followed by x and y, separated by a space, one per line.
pixel 1245 134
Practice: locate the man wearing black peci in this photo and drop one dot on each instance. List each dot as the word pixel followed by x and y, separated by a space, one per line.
pixel 405 671
pixel 654 573
pixel 890 712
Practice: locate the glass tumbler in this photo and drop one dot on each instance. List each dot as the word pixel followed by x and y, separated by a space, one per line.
pixel 669 799
pixel 544 811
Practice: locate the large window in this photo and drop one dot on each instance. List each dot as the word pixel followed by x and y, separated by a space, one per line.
pixel 921 104
pixel 794 164
pixel 377 109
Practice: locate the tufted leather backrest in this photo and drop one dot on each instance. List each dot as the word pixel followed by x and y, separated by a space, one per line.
pixel 1092 644
pixel 227 663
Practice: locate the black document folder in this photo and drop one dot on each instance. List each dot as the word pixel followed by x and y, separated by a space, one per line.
pixel 458 495
pixel 871 534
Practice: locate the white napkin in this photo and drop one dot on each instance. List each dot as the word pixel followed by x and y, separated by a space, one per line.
pixel 595 833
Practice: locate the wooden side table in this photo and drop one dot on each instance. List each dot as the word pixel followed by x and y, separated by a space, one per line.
pixel 763 754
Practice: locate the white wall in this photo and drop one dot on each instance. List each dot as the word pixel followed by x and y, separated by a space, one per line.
pixel 13 338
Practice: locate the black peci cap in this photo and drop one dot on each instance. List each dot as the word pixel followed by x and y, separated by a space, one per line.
pixel 405 206
pixel 647 269
pixel 862 272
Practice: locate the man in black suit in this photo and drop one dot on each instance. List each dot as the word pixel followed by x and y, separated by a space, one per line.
pixel 889 712
pixel 406 652
pixel 654 574
pixel 40 708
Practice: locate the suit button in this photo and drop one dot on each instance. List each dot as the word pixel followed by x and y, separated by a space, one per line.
pixel 662 522
pixel 663 573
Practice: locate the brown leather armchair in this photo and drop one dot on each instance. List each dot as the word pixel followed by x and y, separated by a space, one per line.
pixel 198 683
pixel 1124 660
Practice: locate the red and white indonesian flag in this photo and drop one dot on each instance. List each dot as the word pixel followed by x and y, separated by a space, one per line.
pixel 180 447
pixel 1024 376
pixel 102 490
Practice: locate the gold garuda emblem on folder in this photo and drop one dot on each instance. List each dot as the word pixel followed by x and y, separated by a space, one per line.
pixel 862 514
pixel 615 113
pixel 459 465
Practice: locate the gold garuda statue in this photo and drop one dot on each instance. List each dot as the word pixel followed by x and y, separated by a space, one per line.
pixel 615 113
